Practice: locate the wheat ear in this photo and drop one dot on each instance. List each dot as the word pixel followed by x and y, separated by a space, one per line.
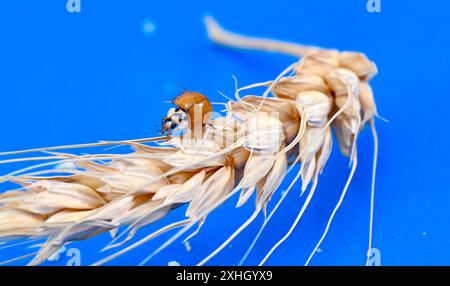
pixel 246 150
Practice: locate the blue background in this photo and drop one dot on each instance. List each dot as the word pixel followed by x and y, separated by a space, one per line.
pixel 97 75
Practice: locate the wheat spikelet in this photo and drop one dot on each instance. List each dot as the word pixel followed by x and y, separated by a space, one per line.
pixel 249 150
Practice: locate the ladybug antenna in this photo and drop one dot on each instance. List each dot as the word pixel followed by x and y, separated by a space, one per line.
pixel 182 86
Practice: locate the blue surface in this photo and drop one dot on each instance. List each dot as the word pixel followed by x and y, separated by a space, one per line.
pixel 97 75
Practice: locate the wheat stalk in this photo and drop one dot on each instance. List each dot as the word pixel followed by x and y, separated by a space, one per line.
pixel 249 150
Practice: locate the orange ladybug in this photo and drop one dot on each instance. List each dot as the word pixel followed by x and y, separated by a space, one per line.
pixel 192 107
